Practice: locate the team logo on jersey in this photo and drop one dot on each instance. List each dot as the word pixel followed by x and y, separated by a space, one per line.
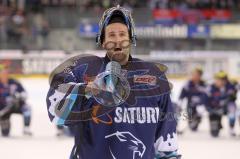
pixel 129 143
pixel 145 79
pixel 97 119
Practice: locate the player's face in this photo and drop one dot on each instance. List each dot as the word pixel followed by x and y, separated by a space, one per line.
pixel 4 74
pixel 117 42
pixel 219 83
pixel 196 76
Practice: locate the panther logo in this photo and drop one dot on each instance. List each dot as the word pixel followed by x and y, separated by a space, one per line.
pixel 133 147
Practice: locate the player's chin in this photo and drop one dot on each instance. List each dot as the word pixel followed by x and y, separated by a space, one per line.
pixel 118 56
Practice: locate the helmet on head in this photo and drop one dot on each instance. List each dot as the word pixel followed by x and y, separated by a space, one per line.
pixel 221 75
pixel 106 18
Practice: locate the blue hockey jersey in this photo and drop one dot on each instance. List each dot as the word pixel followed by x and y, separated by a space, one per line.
pixel 195 93
pixel 142 127
pixel 217 99
pixel 9 90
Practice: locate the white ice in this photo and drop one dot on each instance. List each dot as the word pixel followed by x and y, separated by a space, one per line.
pixel 45 145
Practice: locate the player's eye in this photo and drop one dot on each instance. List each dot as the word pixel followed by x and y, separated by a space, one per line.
pixel 111 35
pixel 123 34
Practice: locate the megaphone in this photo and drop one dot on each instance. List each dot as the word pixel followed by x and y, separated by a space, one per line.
pixel 113 86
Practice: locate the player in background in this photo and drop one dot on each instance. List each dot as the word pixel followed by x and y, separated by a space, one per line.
pixel 231 106
pixel 217 102
pixel 194 92
pixel 178 115
pixel 12 100
pixel 238 108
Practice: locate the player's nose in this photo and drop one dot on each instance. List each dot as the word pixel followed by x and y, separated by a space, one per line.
pixel 118 41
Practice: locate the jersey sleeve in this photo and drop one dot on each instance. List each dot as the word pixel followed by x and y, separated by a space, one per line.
pixel 166 138
pixel 65 94
pixel 20 87
pixel 20 92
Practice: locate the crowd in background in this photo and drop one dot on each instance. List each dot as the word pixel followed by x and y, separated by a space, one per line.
pixel 38 5
pixel 195 4
pixel 103 4
pixel 26 4
pixel 21 18
pixel 18 27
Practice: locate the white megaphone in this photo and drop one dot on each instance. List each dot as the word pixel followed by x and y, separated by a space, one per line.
pixel 114 85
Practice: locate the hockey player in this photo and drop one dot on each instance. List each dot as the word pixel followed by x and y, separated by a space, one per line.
pixel 238 109
pixel 217 102
pixel 12 100
pixel 123 136
pixel 231 107
pixel 178 114
pixel 195 93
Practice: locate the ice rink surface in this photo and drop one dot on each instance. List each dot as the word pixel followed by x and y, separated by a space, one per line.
pixel 45 145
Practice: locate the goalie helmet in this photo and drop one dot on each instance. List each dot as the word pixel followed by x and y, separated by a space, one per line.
pixel 108 15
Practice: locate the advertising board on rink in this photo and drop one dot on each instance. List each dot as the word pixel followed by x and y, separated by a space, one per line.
pixel 225 31
pixel 179 63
